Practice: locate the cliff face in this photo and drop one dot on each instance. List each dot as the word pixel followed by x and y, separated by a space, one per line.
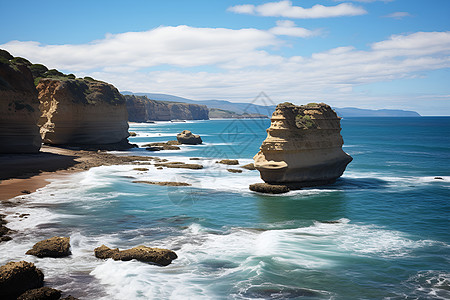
pixel 19 107
pixel 81 112
pixel 141 109
pixel 303 146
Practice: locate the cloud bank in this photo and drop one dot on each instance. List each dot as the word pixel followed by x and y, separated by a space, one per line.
pixel 285 9
pixel 208 63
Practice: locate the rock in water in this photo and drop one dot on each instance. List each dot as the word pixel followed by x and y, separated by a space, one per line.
pixel 82 112
pixel 52 247
pixel 303 146
pixel 19 106
pixel 158 256
pixel 43 293
pixel 18 277
pixel 187 137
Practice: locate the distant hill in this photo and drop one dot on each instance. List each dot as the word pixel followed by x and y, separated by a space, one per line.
pixel 347 112
pixel 241 108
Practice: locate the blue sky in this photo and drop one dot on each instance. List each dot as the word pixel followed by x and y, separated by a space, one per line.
pixel 366 53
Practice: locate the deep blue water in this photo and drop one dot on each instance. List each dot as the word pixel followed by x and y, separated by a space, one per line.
pixel 379 232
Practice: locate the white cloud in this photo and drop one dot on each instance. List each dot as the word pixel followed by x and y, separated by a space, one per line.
pixel 287 10
pixel 286 27
pixel 398 15
pixel 181 46
pixel 238 64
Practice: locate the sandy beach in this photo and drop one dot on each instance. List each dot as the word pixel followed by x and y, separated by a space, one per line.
pixel 25 173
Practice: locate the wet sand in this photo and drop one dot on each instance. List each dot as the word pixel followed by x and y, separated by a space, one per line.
pixel 25 173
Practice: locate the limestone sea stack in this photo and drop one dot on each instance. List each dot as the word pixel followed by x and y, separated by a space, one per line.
pixel 78 111
pixel 303 146
pixel 19 106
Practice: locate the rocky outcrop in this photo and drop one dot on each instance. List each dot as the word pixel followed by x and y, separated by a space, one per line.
pixel 18 277
pixel 43 293
pixel 188 138
pixel 158 256
pixel 230 162
pixel 19 106
pixel 79 111
pixel 52 247
pixel 303 146
pixel 142 109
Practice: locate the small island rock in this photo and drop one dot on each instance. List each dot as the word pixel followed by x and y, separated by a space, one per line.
pixel 303 146
pixel 157 256
pixel 53 247
pixel 188 138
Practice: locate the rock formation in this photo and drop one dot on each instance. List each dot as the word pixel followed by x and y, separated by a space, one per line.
pixel 52 247
pixel 142 109
pixel 79 111
pixel 18 277
pixel 303 146
pixel 158 256
pixel 41 294
pixel 188 138
pixel 19 106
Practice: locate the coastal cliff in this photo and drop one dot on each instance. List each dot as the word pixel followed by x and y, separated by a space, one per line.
pixel 19 106
pixel 142 109
pixel 79 111
pixel 303 146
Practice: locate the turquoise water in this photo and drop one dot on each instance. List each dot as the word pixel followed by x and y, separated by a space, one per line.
pixel 379 232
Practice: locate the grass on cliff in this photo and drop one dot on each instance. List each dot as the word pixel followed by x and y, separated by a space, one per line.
pixel 305 121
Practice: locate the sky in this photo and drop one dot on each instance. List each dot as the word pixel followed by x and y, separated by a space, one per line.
pixel 373 54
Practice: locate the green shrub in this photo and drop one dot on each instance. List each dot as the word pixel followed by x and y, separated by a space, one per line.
pixel 20 61
pixel 305 121
pixel 38 70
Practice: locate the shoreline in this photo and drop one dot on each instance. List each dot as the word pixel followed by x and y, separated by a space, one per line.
pixel 25 173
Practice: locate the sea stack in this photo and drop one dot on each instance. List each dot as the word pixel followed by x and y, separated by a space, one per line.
pixel 303 146
pixel 19 106
pixel 78 111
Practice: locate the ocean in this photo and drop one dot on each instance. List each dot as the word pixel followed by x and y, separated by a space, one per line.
pixel 382 231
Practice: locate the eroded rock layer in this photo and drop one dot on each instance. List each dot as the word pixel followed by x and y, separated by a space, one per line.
pixel 82 112
pixel 19 107
pixel 303 146
pixel 142 109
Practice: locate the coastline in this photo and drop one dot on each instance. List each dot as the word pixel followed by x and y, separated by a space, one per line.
pixel 25 173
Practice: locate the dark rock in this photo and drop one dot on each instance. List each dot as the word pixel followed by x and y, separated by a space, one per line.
pixel 161 146
pixel 163 183
pixel 439 178
pixel 154 148
pixel 131 133
pixel 25 192
pixel 234 171
pixel 269 188
pixel 250 166
pixel 140 169
pixel 43 293
pixel 179 165
pixel 18 277
pixel 158 256
pixel 53 247
pixel 194 158
pixel 229 162
pixel 188 138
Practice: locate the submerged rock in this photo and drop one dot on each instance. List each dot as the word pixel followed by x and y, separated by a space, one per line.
pixel 179 165
pixel 52 247
pixel 158 256
pixel 163 183
pixel 303 146
pixel 234 170
pixel 43 293
pixel 18 277
pixel 269 188
pixel 170 145
pixel 188 138
pixel 230 162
